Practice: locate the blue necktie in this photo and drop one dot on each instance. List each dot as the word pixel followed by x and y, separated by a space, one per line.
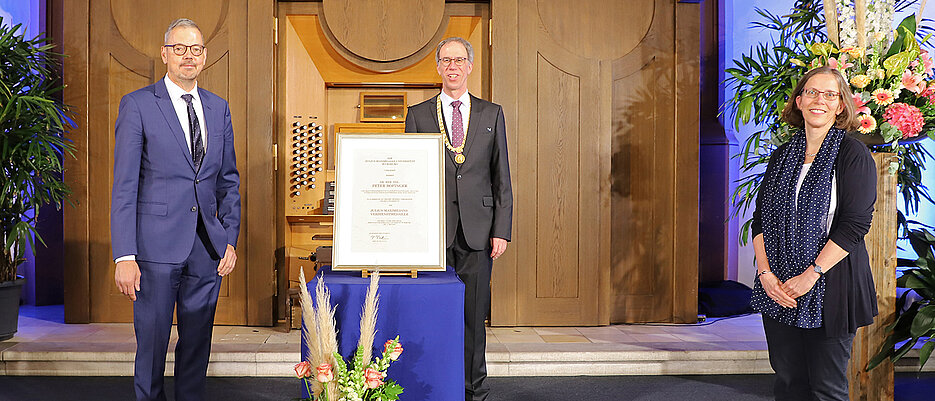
pixel 198 148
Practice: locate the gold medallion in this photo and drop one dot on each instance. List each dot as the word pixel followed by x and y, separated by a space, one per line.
pixel 457 150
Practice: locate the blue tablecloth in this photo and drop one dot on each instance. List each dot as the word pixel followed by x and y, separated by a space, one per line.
pixel 428 315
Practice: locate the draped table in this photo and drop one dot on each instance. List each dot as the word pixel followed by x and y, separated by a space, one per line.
pixel 426 312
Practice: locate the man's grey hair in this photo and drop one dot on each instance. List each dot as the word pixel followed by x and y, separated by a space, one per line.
pixel 181 22
pixel 467 46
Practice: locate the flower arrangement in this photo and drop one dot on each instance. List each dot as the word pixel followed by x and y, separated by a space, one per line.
pixel 878 17
pixel 890 84
pixel 334 380
pixel 889 72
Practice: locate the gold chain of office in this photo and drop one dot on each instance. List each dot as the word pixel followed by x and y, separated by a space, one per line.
pixel 458 151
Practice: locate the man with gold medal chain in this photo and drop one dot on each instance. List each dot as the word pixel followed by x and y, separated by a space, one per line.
pixel 478 193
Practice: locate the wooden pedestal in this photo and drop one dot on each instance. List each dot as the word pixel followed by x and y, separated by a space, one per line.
pixel 877 385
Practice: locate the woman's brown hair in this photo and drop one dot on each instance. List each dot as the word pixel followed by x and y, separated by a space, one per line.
pixel 846 120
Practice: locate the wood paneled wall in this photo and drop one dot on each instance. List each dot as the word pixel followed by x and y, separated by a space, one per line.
pixel 113 49
pixel 601 105
pixel 604 153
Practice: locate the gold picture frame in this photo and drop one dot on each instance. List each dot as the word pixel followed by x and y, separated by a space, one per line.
pixel 389 202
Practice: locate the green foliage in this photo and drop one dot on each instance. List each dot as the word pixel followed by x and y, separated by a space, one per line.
pixel 917 323
pixel 762 83
pixel 32 122
pixel 353 382
pixel 764 79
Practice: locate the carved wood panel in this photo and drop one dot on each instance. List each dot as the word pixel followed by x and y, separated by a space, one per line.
pixel 383 30
pixel 557 180
pixel 605 219
pixel 125 41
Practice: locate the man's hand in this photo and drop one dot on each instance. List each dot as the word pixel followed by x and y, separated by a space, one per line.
pixel 773 288
pixel 801 284
pixel 228 261
pixel 127 277
pixel 497 245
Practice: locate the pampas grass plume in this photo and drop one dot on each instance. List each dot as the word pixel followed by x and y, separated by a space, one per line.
pixel 368 319
pixel 327 330
pixel 310 335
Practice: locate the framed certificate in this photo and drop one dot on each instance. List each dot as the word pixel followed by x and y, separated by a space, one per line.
pixel 389 202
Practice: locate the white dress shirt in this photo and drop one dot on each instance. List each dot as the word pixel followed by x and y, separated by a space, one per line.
pixel 181 110
pixel 448 110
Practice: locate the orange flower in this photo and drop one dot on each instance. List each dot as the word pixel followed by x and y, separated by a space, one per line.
pixel 867 123
pixel 860 81
pixel 303 369
pixel 394 354
pixel 373 377
pixel 882 97
pixel 854 52
pixel 324 373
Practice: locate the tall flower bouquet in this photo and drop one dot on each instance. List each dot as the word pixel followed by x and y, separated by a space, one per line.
pixel 890 84
pixel 891 75
pixel 363 379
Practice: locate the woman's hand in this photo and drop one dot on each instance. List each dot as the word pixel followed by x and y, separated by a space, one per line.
pixel 799 285
pixel 773 288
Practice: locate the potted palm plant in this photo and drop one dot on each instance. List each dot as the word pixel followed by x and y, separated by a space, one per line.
pixel 32 146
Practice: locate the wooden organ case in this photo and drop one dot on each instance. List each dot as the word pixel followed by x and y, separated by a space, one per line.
pixel 328 85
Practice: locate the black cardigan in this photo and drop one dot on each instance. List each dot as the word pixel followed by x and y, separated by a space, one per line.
pixel 850 299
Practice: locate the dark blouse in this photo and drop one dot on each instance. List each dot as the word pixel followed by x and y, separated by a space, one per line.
pixel 850 299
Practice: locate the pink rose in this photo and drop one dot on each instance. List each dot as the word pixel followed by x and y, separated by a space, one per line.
pixel 324 373
pixel 373 377
pixel 394 354
pixel 303 369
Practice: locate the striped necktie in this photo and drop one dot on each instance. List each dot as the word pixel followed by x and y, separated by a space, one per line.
pixel 198 148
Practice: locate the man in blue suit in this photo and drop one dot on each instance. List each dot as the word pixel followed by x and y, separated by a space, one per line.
pixel 175 214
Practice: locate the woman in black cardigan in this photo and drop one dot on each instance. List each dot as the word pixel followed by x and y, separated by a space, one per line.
pixel 813 283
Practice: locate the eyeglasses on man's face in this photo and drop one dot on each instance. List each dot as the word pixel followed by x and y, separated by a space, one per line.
pixel 180 49
pixel 446 61
pixel 813 93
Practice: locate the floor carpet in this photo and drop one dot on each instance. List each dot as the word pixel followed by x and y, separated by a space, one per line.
pixel 909 387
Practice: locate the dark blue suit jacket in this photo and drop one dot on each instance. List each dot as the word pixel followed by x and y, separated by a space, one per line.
pixel 157 194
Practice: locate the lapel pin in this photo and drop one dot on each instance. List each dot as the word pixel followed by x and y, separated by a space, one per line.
pixel 488 129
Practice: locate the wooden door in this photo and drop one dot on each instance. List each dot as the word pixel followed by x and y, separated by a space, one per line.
pixel 605 207
pixel 654 170
pixel 124 38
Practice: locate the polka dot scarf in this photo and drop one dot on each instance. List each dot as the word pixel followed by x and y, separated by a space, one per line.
pixel 794 232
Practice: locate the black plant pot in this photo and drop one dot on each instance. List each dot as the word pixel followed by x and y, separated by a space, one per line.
pixel 9 307
pixel 875 139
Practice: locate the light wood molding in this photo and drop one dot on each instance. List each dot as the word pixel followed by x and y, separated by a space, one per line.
pixel 75 37
pixel 505 89
pixel 687 55
pixel 598 29
pixel 381 30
